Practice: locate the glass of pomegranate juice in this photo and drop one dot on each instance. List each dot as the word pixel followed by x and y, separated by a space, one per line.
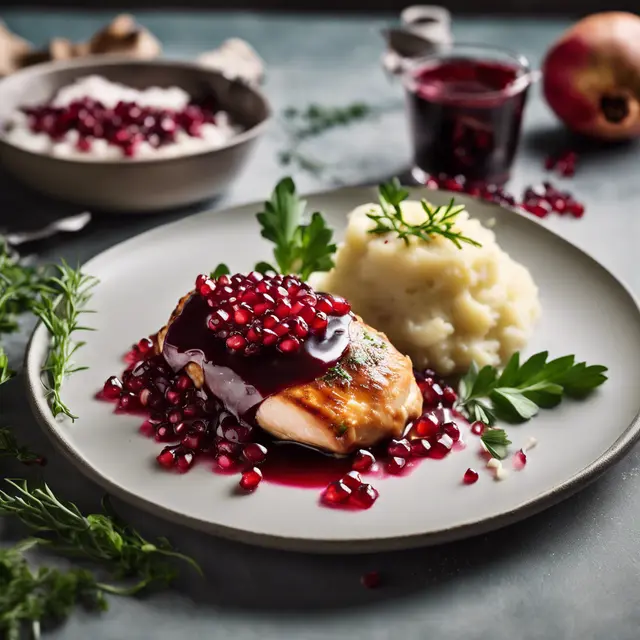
pixel 465 105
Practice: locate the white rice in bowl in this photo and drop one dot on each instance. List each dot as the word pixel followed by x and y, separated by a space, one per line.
pixel 443 306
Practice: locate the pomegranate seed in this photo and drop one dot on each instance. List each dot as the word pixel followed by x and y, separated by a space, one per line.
pixel 164 433
pixel 575 209
pixel 519 459
pixel 236 342
pixel 427 426
pixel 352 480
pixel 180 429
pixel 231 449
pixel 166 458
pixel 319 324
pixel 470 476
pixel 145 346
pixel 340 306
pixel 128 402
pixel 255 276
pixel 363 460
pixel 477 428
pixel 449 396
pixel 420 448
pixel 270 322
pixel 441 447
pixel 183 383
pixel 336 493
pixel 250 298
pixel 432 393
pixel 201 279
pixel 269 338
pixel 250 479
pixel 254 335
pixel 371 580
pixel 364 496
pixel 325 305
pixel 225 462
pixel 399 448
pixel 218 319
pixel 289 345
pixel 281 329
pixel 174 416
pixel 184 461
pixel 451 429
pixel 254 453
pixel 112 388
pixel 173 397
pixel 283 310
pixel 243 316
pixel 299 328
pixel 207 288
pixel 395 465
pixel 190 411
pixel 307 313
pixel 191 441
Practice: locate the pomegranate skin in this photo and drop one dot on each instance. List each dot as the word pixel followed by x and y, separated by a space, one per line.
pixel 591 76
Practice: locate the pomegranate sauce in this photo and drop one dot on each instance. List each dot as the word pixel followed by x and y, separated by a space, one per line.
pixel 235 342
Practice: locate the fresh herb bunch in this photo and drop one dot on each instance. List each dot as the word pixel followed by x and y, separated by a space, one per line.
pixel 29 597
pixel 439 221
pixel 59 306
pixel 302 124
pixel 516 394
pixel 102 537
pixel 10 448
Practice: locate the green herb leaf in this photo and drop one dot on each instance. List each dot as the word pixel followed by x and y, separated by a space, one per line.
pixel 220 270
pixel 519 391
pixel 300 249
pixel 5 373
pixel 439 221
pixel 496 442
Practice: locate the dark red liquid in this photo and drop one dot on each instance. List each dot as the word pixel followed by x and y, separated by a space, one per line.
pixel 240 382
pixel 464 120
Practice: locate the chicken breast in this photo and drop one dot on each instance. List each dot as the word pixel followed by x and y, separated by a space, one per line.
pixel 368 396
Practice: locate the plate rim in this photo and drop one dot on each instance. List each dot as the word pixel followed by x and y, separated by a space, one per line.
pixel 466 529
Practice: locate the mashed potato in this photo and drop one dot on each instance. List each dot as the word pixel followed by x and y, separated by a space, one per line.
pixel 443 306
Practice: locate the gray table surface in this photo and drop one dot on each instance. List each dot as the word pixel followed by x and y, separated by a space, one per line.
pixel 570 572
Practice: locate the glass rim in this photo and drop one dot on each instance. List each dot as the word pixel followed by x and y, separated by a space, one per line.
pixel 448 50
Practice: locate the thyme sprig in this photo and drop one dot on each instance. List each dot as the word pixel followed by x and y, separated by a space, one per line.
pixel 439 220
pixel 59 306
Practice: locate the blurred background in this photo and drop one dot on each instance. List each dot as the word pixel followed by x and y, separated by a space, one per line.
pixel 504 7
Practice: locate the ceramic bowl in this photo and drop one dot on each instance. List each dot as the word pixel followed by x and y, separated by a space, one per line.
pixel 134 185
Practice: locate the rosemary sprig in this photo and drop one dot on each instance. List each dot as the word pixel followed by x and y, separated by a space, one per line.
pixel 5 373
pixel 102 538
pixel 59 307
pixel 47 594
pixel 439 221
pixel 10 448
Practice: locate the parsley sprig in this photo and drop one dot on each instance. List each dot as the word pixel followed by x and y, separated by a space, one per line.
pixel 520 390
pixel 496 442
pixel 301 248
pixel 59 306
pixel 439 221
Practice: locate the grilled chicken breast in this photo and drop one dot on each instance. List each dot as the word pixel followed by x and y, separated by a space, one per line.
pixel 369 396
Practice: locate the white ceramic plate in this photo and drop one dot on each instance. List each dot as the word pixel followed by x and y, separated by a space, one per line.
pixel 587 312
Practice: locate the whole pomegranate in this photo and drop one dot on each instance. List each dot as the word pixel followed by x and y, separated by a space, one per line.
pixel 591 76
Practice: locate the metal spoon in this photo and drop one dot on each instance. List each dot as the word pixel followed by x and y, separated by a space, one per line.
pixel 70 224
